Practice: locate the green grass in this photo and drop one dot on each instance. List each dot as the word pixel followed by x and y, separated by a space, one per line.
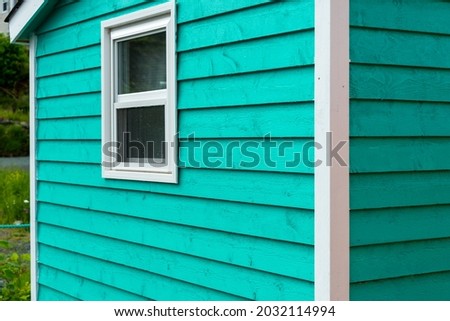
pixel 14 196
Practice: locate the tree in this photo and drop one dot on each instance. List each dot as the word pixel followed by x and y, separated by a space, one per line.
pixel 13 71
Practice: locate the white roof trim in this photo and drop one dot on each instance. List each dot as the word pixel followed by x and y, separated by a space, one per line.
pixel 22 17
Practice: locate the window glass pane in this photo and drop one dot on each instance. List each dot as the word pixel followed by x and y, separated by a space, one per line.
pixel 142 63
pixel 141 134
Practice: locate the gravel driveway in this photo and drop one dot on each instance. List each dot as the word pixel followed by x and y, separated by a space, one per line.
pixel 20 162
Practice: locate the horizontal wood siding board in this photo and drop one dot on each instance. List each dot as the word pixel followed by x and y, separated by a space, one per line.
pixel 384 261
pixel 293 225
pixel 389 47
pixel 278 120
pixel 77 12
pixel 423 287
pixel 269 188
pixel 82 288
pixel 85 31
pixel 81 128
pixel 382 190
pixel 275 18
pixel 399 83
pixel 257 55
pixel 381 118
pixel 390 225
pixel 70 151
pixel 285 155
pixel 49 294
pixel 421 16
pixel 294 260
pixel 87 81
pixel 285 85
pixel 196 10
pixel 282 19
pixel 247 89
pixel 88 104
pixel 238 281
pixel 368 155
pixel 85 34
pixel 69 61
pixel 132 280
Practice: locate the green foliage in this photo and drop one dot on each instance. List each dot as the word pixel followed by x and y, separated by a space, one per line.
pixel 18 116
pixel 14 141
pixel 13 72
pixel 14 102
pixel 14 196
pixel 14 277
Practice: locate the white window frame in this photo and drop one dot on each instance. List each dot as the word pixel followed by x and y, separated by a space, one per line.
pixel 147 21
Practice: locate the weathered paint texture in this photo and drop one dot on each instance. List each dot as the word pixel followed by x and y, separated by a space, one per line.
pixel 245 69
pixel 399 123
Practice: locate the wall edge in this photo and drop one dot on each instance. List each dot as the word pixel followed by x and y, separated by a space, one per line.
pixel 33 217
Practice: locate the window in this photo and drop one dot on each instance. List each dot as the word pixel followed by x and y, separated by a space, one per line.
pixel 5 6
pixel 139 96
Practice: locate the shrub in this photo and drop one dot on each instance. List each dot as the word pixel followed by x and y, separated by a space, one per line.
pixel 9 115
pixel 14 196
pixel 14 277
pixel 13 140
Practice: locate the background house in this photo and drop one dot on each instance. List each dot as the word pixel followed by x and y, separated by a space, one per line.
pixel 378 229
pixel 4 11
pixel 6 7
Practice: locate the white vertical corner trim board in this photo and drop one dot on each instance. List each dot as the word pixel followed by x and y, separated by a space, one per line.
pixel 33 218
pixel 332 245
pixel 22 17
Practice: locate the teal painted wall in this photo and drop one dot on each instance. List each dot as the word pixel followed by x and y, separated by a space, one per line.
pixel 245 69
pixel 400 140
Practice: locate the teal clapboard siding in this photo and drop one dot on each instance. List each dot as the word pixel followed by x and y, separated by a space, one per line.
pixel 230 232
pixel 400 138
